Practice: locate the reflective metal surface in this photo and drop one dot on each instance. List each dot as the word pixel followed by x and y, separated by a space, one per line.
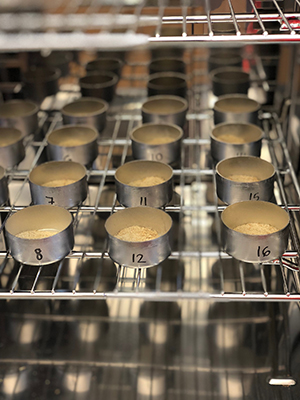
pixel 242 351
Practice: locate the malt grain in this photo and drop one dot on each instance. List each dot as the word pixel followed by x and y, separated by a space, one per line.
pixel 243 178
pixel 136 233
pixel 147 181
pixel 59 182
pixel 37 233
pixel 256 228
pixel 160 140
pixel 232 138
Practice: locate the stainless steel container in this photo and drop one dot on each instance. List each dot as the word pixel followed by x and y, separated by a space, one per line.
pixel 167 83
pixel 165 109
pixel 86 111
pixel 169 64
pixel 40 83
pixel 73 143
pixel 156 195
pixel 255 248
pixel 232 191
pixel 99 84
pixel 40 218
pixel 60 183
pixel 147 142
pixel 114 65
pixel 229 58
pixel 247 137
pixel 20 114
pixel 12 150
pixel 229 80
pixel 139 254
pixel 3 187
pixel 223 28
pixel 236 108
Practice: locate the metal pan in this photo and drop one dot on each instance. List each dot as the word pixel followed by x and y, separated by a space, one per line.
pixel 165 109
pixel 236 108
pixel 231 140
pixel 232 175
pixel 144 253
pixel 60 183
pixel 86 111
pixel 167 64
pixel 132 187
pixel 114 65
pixel 99 84
pixel 259 247
pixel 40 221
pixel 12 150
pixel 40 83
pixel 73 143
pixel 20 114
pixel 171 83
pixel 157 142
pixel 228 80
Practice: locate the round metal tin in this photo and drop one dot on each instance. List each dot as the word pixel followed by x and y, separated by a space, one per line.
pixel 86 111
pixel 254 248
pixel 165 109
pixel 236 108
pixel 157 195
pixel 41 82
pixel 139 254
pixel 73 143
pixel 68 187
pixel 167 64
pixel 146 146
pixel 251 135
pixel 171 83
pixel 231 191
pixel 12 150
pixel 19 114
pixel 99 84
pixel 228 80
pixel 104 64
pixel 221 59
pixel 40 251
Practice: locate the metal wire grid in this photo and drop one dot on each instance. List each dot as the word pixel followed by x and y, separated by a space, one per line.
pixel 134 283
pixel 78 24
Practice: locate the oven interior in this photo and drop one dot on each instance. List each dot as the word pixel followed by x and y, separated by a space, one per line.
pixel 200 325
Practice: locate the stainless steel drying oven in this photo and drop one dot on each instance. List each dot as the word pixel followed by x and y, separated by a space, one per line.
pixel 199 325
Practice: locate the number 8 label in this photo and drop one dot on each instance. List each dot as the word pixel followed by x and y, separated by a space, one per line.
pixel 39 255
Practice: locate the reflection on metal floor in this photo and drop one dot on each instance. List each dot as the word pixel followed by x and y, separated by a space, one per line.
pixel 148 350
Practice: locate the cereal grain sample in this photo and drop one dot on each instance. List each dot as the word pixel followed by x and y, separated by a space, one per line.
pixel 243 178
pixel 256 228
pixel 147 181
pixel 232 138
pixel 58 182
pixel 37 233
pixel 70 142
pixel 136 233
pixel 160 140
pixel 6 141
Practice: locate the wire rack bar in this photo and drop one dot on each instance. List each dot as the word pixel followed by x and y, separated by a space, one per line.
pixel 152 296
pixel 173 256
pixel 47 30
pixel 130 283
